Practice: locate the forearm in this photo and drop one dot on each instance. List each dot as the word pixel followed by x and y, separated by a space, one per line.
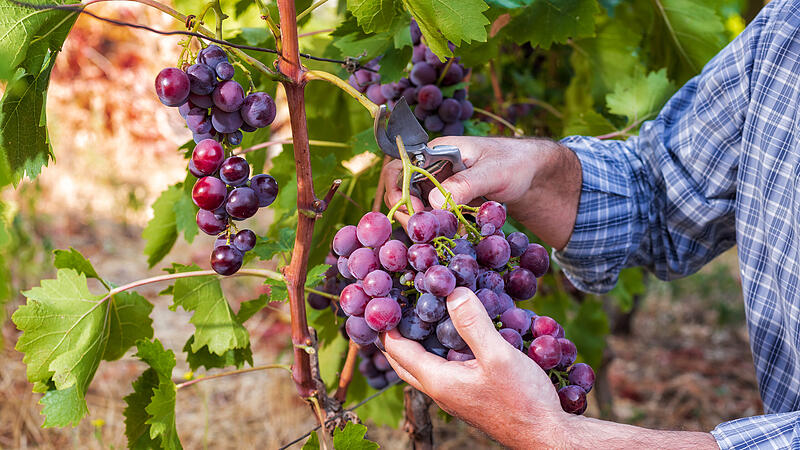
pixel 549 207
pixel 585 431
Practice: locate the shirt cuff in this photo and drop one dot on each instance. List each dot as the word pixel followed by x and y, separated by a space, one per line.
pixel 608 215
pixel 760 432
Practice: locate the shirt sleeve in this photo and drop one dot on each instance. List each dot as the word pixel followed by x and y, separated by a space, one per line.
pixel 665 199
pixel 769 431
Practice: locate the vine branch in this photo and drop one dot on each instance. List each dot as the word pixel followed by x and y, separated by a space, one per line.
pixel 233 372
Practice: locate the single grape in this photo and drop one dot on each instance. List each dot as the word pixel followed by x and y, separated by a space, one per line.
pixel 202 79
pixel 246 127
pixel 258 110
pixel 466 110
pixel 489 279
pixel 209 193
pixel 568 353
pixel 559 332
pixel 378 382
pixel 416 34
pixel 448 335
pixel 573 399
pixel 518 243
pixel 419 282
pixel 544 326
pixel 225 70
pixel 422 227
pixel 493 252
pixel 199 123
pixel 432 345
pixel 433 123
pixel 266 189
pixel 234 171
pixel 373 229
pixel 375 95
pixel 412 327
pixel 211 223
pixel 341 265
pixel 391 91
pixel 487 229
pixel 448 223
pixel 393 255
pixel 535 259
pixel 234 138
pixel 491 212
pixel 582 375
pixel 464 247
pixel 226 260
pixel 410 94
pixel 422 73
pixel 440 281
pixel 201 101
pixel 465 269
pixel 449 110
pixel 418 54
pixel 516 319
pixel 421 113
pixel 361 262
pixel 172 86
pixel 460 355
pixel 382 314
pixel 193 170
pixel 392 377
pixel 212 55
pixel 460 94
pixel 521 284
pixel 207 156
pixel 506 302
pixel 353 300
pixel 345 241
pixel 490 300
pixel 422 256
pixel 244 240
pixel 225 122
pixel 359 331
pixel 453 129
pixel 197 138
pixel 377 283
pixel 365 366
pixel 318 302
pixel 453 75
pixel 545 351
pixel 188 108
pixel 228 96
pixel 242 203
pixel 433 60
pixel 430 308
pixel 512 337
pixel 380 362
pixel 429 96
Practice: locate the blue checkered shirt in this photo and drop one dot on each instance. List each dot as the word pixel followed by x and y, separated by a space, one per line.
pixel 718 166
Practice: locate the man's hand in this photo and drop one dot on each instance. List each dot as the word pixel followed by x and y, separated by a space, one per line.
pixel 525 174
pixel 502 391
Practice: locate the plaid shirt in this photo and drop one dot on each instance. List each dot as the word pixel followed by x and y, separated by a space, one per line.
pixel 719 166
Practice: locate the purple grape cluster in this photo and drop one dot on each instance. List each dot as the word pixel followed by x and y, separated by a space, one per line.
pixel 422 87
pixel 225 192
pixel 402 282
pixel 375 367
pixel 212 103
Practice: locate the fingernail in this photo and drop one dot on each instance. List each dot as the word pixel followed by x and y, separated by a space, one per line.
pixel 436 198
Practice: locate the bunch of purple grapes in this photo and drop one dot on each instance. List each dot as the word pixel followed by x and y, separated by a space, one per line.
pixel 225 192
pixel 422 87
pixel 403 284
pixel 375 367
pixel 212 103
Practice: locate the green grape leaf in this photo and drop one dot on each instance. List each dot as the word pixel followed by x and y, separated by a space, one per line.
pixel 73 259
pixel 203 358
pixel 316 275
pixel 277 291
pixel 31 40
pixel 373 15
pixel 67 331
pixel 161 231
pixel 185 213
pixel 266 249
pixel 160 404
pixel 136 428
pixel 640 97
pixel 352 437
pixel 63 407
pixel 249 308
pixel 588 330
pixel 365 141
pixel 630 284
pixel 215 323
pixel 587 123
pixel 351 40
pixel 387 409
pixel 546 22
pixel 393 63
pixel 312 443
pixel 442 20
pixel 476 128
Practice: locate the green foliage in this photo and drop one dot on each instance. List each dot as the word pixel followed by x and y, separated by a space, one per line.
pixel 352 437
pixel 555 22
pixel 171 213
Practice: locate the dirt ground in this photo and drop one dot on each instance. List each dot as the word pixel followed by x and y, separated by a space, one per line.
pixel 685 364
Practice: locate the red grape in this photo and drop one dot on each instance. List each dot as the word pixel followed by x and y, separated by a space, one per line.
pixel 359 331
pixel 573 399
pixel 361 262
pixel 202 79
pixel 544 326
pixel 448 223
pixel 226 260
pixel 373 229
pixel 242 203
pixel 582 375
pixel 208 156
pixel 535 259
pixel 440 281
pixel 228 96
pixel 234 171
pixel 392 255
pixel 545 351
pixel 172 86
pixel 345 241
pixel 353 300
pixel 491 212
pixel 422 256
pixel 209 193
pixel 521 284
pixel 265 187
pixel 211 223
pixel 422 227
pixel 258 110
pixel 382 314
pixel 377 283
pixel 493 252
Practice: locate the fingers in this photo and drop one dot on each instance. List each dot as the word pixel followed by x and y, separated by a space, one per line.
pixel 474 325
pixel 466 185
pixel 413 358
pixel 403 373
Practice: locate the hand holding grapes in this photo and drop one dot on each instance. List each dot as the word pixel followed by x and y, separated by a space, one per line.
pixel 522 173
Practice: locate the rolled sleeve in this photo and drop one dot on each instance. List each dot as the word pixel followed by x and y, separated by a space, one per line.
pixel 760 432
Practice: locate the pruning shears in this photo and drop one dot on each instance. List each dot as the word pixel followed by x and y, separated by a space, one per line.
pixel 402 122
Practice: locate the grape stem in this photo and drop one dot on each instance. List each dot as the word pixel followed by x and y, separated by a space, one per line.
pixel 518 132
pixel 198 21
pixel 233 372
pixel 453 206
pixel 311 8
pixel 406 196
pixel 444 71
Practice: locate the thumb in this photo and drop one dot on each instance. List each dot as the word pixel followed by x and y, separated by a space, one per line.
pixel 464 186
pixel 473 323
